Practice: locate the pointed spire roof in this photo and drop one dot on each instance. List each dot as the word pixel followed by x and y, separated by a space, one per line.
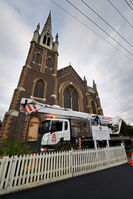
pixel 47 26
pixel 94 84
pixel 38 27
pixel 85 79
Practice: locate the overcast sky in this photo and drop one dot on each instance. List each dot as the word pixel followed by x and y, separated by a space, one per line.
pixel 88 53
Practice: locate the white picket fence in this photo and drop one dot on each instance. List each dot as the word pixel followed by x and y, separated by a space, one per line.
pixel 17 173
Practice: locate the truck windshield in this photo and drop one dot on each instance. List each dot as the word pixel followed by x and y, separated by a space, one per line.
pixel 44 127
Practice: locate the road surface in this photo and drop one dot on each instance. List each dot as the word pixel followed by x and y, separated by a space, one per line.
pixel 113 183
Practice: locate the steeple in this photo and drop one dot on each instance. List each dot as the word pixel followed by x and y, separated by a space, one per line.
pixel 47 27
pixel 46 39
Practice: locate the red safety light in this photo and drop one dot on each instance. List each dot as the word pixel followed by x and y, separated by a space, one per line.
pixel 132 160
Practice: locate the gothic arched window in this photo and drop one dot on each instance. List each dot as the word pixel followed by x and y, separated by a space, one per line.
pixel 71 98
pixel 46 39
pixel 49 62
pixel 39 89
pixel 38 58
pixel 93 107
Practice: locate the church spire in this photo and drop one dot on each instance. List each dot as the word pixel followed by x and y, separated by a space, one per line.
pixel 46 39
pixel 47 27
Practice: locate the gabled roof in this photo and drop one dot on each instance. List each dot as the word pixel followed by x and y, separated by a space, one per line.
pixel 69 68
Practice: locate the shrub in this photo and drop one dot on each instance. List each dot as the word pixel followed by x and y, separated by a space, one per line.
pixel 14 145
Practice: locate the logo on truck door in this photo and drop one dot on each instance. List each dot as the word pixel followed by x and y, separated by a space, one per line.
pixel 54 138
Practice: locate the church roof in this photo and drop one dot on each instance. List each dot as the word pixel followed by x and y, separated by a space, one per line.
pixel 69 68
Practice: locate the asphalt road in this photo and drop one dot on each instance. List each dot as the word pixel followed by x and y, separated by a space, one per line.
pixel 113 183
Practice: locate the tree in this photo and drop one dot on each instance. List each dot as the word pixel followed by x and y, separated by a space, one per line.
pixel 126 129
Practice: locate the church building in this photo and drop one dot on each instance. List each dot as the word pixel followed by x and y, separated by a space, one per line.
pixel 41 80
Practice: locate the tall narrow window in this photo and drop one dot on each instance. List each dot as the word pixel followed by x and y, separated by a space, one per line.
pixel 71 98
pixel 39 89
pixel 46 39
pixel 67 98
pixel 93 107
pixel 75 100
pixel 38 58
pixel 49 63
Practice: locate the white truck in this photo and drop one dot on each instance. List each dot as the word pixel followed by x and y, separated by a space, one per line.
pixel 63 125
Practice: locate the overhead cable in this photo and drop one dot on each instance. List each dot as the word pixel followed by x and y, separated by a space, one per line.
pixel 120 14
pixel 100 28
pixel 131 1
pixel 128 5
pixel 91 29
pixel 107 23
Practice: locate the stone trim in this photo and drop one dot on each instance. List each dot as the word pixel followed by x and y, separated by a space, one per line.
pixel 21 88
pixel 13 113
pixel 37 98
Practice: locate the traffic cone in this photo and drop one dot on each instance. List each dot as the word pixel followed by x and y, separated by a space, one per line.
pixel 132 160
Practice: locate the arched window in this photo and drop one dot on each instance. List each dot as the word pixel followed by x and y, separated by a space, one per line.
pixel 93 107
pixel 49 62
pixel 71 98
pixel 39 89
pixel 38 58
pixel 46 39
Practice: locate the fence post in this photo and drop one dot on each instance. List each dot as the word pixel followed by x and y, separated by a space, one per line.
pixel 107 156
pixel 3 170
pixel 70 162
pixel 124 151
pixel 12 171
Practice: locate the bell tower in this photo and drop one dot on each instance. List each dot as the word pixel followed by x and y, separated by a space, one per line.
pixel 38 79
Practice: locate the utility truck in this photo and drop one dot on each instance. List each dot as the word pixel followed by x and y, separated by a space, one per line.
pixel 63 125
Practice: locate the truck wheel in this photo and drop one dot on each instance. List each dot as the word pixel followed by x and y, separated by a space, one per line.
pixel 62 140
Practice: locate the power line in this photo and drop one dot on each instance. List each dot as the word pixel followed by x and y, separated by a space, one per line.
pixel 107 23
pixel 91 29
pixel 120 14
pixel 131 1
pixel 128 5
pixel 100 28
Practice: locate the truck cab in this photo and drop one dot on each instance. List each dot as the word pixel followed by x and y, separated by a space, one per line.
pixel 52 132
